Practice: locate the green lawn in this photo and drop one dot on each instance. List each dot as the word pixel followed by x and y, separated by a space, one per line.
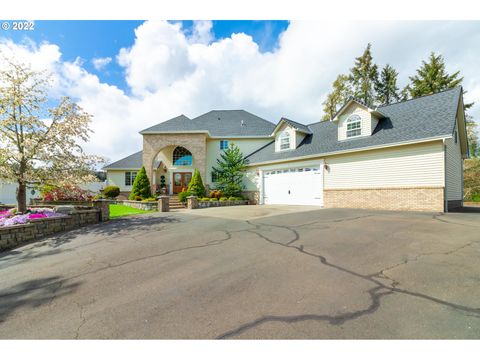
pixel 122 210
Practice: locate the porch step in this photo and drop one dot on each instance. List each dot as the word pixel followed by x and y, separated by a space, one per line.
pixel 175 203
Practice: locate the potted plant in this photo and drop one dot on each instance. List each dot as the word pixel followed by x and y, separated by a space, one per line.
pixel 163 186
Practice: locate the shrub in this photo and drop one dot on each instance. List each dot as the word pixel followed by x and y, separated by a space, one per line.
pixel 149 199
pixel 196 185
pixel 213 199
pixel 111 191
pixel 99 197
pixel 223 199
pixel 141 186
pixel 204 199
pixel 67 193
pixel 138 198
pixel 216 194
pixel 183 196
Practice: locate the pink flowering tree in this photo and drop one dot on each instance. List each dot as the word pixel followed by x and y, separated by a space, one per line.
pixel 40 144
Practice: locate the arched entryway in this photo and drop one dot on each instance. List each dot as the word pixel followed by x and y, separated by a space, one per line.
pixel 172 168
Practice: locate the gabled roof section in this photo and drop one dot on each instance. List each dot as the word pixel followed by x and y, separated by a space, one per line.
pixel 217 123
pixel 297 126
pixel 353 100
pixel 131 162
pixel 422 119
pixel 179 123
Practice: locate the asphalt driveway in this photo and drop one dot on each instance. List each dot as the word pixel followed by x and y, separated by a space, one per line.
pixel 249 272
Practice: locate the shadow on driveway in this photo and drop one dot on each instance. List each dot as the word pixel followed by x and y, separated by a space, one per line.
pixel 34 293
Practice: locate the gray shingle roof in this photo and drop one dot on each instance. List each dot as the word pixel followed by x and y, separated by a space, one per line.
pixel 226 123
pixel 133 161
pixel 421 118
pixel 297 126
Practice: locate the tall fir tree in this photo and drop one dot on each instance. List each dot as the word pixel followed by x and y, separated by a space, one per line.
pixel 432 77
pixel 341 91
pixel 229 171
pixel 386 87
pixel 364 76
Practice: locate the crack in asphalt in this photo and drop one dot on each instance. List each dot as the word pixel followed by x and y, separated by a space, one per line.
pixel 340 319
pixel 332 319
pixel 82 318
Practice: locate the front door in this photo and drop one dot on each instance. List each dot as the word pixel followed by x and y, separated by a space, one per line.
pixel 180 181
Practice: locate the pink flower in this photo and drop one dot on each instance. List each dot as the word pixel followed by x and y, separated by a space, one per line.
pixel 36 216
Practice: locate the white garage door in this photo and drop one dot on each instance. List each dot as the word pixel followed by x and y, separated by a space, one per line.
pixel 294 186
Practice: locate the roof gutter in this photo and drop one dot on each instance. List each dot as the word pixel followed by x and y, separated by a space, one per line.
pixel 351 150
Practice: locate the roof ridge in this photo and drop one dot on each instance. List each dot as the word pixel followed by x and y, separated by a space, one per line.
pixel 423 96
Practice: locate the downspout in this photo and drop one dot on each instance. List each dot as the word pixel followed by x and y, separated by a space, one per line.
pixel 445 176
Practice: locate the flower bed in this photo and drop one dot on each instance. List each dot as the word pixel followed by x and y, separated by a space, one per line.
pixel 10 217
pixel 41 223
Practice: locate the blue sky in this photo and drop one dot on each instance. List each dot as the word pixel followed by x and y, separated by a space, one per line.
pixel 90 39
pixel 130 75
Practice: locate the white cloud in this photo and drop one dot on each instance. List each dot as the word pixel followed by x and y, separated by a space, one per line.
pixel 100 63
pixel 170 72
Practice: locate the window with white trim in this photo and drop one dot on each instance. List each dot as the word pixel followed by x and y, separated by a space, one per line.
pixel 284 140
pixel 223 144
pixel 354 126
pixel 130 177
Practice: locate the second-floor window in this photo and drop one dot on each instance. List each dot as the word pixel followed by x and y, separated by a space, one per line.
pixel 223 144
pixel 354 126
pixel 130 177
pixel 284 140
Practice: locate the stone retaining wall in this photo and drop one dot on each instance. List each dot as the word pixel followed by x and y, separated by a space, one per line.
pixel 194 203
pixel 16 235
pixel 142 205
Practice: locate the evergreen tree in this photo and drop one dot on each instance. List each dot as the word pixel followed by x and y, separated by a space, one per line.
pixel 196 187
pixel 229 171
pixel 432 77
pixel 141 186
pixel 364 76
pixel 386 86
pixel 342 90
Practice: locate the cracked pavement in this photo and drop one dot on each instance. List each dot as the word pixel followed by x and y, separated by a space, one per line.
pixel 254 272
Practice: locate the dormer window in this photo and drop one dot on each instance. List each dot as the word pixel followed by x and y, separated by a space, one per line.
pixel 284 140
pixel 354 126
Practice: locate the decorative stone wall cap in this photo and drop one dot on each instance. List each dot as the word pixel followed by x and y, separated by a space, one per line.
pixel 164 197
pixel 191 197
pixel 65 209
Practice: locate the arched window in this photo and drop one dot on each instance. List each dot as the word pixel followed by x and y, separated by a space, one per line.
pixel 354 126
pixel 182 156
pixel 284 140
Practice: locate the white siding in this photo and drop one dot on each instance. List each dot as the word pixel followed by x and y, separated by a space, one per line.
pixel 117 178
pixel 403 166
pixel 454 168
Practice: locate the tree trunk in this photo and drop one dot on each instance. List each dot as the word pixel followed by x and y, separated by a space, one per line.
pixel 22 197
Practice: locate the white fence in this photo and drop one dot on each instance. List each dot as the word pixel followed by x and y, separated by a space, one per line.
pixel 8 191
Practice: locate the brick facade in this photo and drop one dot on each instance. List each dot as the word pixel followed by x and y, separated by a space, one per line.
pixel 401 199
pixel 195 143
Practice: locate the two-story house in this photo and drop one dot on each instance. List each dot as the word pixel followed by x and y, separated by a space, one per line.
pixel 403 156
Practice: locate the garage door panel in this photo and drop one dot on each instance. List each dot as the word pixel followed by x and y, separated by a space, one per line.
pixel 294 186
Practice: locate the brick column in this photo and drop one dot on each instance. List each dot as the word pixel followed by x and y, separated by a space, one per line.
pixel 164 203
pixel 103 205
pixel 192 202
